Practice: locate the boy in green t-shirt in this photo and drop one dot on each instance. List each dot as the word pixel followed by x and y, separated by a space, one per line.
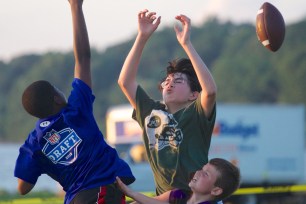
pixel 177 132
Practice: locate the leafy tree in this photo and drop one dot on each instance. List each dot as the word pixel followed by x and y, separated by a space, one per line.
pixel 245 71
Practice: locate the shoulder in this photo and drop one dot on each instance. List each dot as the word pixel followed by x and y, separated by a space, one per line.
pixel 79 83
pixel 177 194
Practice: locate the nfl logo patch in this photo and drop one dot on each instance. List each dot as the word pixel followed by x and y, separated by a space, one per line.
pixel 52 137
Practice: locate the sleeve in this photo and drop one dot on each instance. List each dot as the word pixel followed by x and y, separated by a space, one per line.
pixel 80 103
pixel 203 125
pixel 206 122
pixel 26 167
pixel 211 118
pixel 81 96
pixel 177 196
pixel 144 106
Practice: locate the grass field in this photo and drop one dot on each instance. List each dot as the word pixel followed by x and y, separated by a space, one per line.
pixel 39 198
pixel 283 197
pixel 34 201
pixel 32 198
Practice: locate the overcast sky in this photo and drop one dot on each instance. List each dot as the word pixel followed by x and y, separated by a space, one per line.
pixel 35 26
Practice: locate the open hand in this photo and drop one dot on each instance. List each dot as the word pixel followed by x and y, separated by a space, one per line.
pixel 146 22
pixel 183 34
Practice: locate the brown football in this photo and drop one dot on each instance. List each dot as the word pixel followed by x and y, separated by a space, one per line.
pixel 270 27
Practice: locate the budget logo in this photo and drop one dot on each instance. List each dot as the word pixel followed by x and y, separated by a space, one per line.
pixel 237 129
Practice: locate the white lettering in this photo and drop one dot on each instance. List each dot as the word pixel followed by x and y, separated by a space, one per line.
pixel 63 149
pixel 68 156
pixel 72 138
pixel 57 153
pixel 52 158
pixel 66 142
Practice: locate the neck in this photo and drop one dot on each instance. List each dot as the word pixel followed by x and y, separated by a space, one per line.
pixel 173 108
pixel 199 199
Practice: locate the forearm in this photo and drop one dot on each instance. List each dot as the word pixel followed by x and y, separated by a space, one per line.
pixel 81 47
pixel 127 78
pixel 131 63
pixel 206 80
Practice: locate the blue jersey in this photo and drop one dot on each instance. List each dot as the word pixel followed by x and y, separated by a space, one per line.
pixel 71 149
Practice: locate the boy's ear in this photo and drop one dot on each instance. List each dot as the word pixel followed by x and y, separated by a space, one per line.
pixel 58 100
pixel 194 95
pixel 216 191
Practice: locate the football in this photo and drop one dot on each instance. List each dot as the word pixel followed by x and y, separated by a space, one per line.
pixel 270 27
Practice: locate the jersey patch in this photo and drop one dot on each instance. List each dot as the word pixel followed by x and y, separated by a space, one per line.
pixel 62 146
pixel 162 130
pixel 45 124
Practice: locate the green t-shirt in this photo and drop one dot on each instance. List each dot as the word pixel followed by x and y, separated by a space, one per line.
pixel 177 144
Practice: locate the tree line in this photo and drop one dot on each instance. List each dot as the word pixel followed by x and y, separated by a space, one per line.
pixel 245 71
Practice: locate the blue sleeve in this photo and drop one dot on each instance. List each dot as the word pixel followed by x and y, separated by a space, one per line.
pixel 26 167
pixel 81 96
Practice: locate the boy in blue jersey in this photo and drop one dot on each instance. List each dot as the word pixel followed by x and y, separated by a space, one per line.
pixel 66 143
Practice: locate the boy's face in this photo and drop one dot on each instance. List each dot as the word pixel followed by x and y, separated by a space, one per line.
pixel 176 89
pixel 203 182
pixel 60 96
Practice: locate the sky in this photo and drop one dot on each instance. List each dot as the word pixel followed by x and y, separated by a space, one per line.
pixel 39 26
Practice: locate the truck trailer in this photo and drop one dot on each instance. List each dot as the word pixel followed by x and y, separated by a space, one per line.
pixel 267 142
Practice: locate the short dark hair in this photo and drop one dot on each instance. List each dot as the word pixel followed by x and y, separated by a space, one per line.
pixel 229 179
pixel 38 99
pixel 184 65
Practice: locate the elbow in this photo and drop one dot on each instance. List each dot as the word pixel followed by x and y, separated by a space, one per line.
pixel 122 84
pixel 22 191
pixel 24 187
pixel 119 82
pixel 211 95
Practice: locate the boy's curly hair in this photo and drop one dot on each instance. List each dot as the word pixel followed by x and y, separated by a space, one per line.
pixel 183 65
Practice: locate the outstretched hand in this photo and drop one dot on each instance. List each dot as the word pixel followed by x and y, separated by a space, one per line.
pixel 124 188
pixel 147 22
pixel 183 34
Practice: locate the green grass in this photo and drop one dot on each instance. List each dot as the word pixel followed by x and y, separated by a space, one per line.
pixel 40 198
pixel 31 198
pixel 34 201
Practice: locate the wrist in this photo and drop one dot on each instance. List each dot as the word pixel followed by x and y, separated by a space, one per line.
pixel 143 37
pixel 75 5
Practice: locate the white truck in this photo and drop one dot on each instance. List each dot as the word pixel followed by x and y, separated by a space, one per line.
pixel 267 142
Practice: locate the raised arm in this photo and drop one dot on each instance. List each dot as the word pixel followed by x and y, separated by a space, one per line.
pixel 127 78
pixel 209 88
pixel 81 47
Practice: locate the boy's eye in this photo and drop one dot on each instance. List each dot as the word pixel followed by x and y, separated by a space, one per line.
pixel 175 81
pixel 178 80
pixel 166 82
